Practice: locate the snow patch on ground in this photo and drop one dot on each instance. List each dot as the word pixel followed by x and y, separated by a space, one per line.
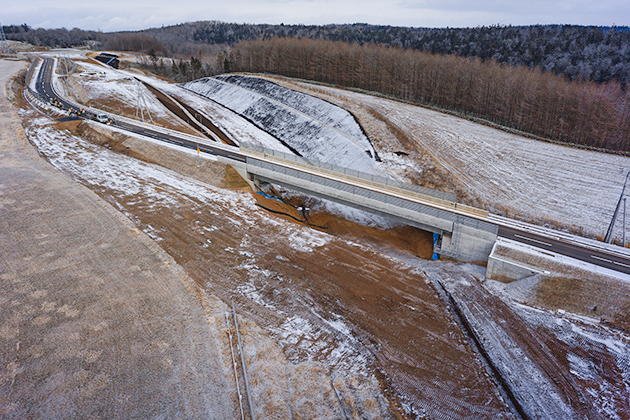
pixel 539 180
pixel 95 165
pixel 104 83
pixel 610 397
pixel 306 241
pixel 333 140
pixel 33 82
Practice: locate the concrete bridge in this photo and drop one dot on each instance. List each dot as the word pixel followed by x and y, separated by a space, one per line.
pixel 465 234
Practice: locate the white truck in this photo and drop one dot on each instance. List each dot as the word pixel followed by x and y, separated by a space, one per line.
pixel 102 118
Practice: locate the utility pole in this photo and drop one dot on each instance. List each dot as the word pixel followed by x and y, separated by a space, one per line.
pixel 609 232
pixel 4 45
pixel 624 222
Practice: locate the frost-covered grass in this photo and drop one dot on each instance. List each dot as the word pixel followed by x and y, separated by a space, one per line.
pixel 105 86
pixel 311 127
pixel 515 175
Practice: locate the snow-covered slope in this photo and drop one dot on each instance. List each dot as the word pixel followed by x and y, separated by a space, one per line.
pixel 311 127
pixel 237 127
pixel 534 180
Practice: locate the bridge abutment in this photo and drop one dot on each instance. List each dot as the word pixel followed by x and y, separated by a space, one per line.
pixel 470 241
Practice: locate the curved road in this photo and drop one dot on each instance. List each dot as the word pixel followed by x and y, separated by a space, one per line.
pixel 47 93
pixel 581 252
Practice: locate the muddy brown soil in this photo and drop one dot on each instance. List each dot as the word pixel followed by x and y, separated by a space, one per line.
pixel 395 324
pixel 394 316
pixel 399 237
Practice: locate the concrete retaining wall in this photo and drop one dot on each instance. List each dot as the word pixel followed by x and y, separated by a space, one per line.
pixel 507 271
pixel 470 242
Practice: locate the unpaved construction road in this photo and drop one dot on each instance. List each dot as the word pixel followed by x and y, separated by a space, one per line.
pixel 91 310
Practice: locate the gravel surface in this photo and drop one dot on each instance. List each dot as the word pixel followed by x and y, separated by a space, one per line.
pixel 95 320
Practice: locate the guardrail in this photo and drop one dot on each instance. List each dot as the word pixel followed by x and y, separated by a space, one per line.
pixel 29 75
pixel 376 179
pixel 561 236
pixel 397 202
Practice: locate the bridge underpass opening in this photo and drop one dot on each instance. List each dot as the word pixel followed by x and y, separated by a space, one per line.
pixel 463 238
pixel 344 219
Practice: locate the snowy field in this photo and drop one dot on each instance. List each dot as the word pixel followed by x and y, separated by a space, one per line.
pixel 103 84
pixel 515 175
pixel 311 127
pixel 277 271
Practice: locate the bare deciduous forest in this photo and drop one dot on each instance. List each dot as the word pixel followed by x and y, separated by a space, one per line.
pixel 529 100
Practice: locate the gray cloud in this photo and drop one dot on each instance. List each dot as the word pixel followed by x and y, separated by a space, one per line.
pixel 116 15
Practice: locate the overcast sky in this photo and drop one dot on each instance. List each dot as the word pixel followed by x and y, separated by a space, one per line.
pixel 117 15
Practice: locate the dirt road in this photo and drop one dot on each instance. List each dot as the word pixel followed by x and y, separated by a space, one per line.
pixel 95 320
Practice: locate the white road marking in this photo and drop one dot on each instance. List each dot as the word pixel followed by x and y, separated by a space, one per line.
pixel 532 240
pixel 610 261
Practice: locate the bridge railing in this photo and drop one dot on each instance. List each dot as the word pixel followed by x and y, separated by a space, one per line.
pixel 364 176
pixel 395 205
pixel 343 189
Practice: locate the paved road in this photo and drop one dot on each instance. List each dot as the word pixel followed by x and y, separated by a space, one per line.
pixel 598 257
pixel 44 88
pixel 544 243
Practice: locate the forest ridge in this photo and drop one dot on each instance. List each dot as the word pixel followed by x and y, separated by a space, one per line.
pixel 599 54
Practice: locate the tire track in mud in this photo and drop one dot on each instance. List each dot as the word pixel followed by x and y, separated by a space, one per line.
pixel 528 364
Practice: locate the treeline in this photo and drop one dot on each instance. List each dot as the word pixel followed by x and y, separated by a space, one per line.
pixel 181 70
pixel 528 100
pixel 56 38
pixel 136 42
pixel 600 54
